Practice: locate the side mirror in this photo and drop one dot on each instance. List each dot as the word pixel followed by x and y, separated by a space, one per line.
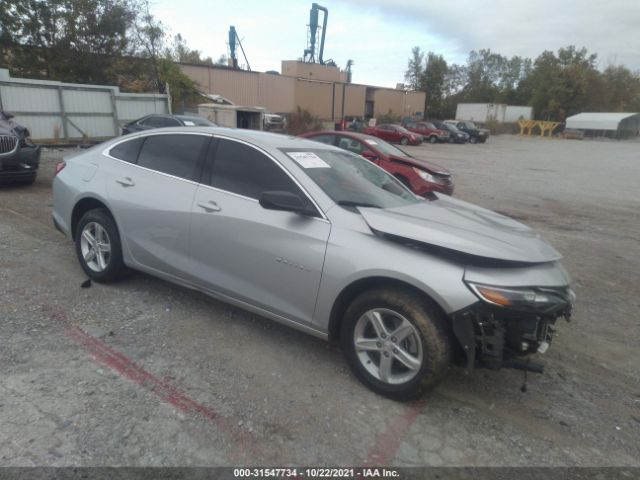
pixel 285 201
pixel 369 155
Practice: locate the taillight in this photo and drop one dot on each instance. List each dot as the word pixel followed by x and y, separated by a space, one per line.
pixel 59 166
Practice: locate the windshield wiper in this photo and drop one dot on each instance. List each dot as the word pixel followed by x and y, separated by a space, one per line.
pixel 351 203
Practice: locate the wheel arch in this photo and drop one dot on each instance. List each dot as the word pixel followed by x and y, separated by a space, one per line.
pixel 83 206
pixel 351 291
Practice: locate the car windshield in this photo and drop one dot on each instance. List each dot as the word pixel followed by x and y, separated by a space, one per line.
pixel 429 126
pixel 401 129
pixel 385 148
pixel 451 128
pixel 470 125
pixel 350 180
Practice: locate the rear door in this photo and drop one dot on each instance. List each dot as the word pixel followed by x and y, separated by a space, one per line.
pixel 266 258
pixel 151 186
pixel 385 133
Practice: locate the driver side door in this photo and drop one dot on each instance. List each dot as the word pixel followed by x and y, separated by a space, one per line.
pixel 265 258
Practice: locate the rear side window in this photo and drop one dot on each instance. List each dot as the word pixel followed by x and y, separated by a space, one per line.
pixel 241 169
pixel 176 155
pixel 153 121
pixel 127 151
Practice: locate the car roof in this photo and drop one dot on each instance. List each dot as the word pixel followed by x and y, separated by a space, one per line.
pixel 258 137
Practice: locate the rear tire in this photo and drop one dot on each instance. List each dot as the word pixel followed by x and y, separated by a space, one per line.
pixel 409 355
pixel 98 247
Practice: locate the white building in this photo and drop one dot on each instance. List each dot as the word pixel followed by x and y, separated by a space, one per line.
pixel 482 112
pixel 605 124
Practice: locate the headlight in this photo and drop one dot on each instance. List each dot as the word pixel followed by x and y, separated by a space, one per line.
pixel 539 299
pixel 426 176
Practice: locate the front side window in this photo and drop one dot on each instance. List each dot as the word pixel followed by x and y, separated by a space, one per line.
pixel 328 139
pixel 351 145
pixel 351 180
pixel 241 169
pixel 127 151
pixel 173 154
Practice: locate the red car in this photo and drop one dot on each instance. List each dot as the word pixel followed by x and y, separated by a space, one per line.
pixel 429 131
pixel 420 176
pixel 394 133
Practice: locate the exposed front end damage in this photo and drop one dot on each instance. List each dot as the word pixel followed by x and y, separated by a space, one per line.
pixel 496 336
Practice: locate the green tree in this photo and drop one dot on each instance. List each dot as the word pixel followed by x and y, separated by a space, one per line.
pixel 68 40
pixel 415 70
pixel 434 82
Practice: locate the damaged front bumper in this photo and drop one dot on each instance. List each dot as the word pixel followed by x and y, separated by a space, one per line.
pixel 496 336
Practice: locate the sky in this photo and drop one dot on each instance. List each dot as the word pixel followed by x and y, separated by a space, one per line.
pixel 378 35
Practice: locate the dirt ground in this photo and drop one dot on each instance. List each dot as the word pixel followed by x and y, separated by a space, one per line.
pixel 147 373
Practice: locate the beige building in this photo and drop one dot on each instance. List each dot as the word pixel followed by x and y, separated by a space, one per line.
pixel 321 89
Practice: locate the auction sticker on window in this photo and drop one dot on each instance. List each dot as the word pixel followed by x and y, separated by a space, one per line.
pixel 308 160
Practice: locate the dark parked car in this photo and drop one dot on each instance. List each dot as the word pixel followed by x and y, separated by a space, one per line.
pixel 420 176
pixel 476 135
pixel 455 135
pixel 429 131
pixel 19 156
pixel 159 121
pixel 394 133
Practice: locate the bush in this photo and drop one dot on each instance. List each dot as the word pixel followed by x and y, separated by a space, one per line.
pixel 301 121
pixel 388 117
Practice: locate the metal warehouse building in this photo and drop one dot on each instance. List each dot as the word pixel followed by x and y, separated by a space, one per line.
pixel 612 125
pixel 323 90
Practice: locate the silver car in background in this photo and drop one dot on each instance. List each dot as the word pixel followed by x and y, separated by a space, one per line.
pixel 319 239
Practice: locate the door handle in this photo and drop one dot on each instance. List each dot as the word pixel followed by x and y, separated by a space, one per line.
pixel 126 182
pixel 209 206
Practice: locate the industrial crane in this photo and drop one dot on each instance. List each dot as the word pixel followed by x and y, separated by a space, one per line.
pixel 233 38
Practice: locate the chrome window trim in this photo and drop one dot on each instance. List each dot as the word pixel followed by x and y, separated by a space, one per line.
pixel 106 153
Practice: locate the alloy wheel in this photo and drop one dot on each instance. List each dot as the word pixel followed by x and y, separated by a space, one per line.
pixel 388 346
pixel 95 246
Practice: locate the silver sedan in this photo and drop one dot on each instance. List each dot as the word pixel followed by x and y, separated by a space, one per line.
pixel 319 239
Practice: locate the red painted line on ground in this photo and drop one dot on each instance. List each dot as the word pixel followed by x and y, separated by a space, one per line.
pixel 389 440
pixel 127 368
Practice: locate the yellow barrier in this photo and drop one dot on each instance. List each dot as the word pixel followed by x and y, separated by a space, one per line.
pixel 543 125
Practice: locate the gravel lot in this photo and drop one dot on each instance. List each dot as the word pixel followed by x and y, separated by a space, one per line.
pixel 147 373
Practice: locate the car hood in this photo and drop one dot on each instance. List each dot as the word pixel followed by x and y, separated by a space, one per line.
pixel 462 227
pixel 423 164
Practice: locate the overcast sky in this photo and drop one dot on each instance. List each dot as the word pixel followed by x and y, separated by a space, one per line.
pixel 379 34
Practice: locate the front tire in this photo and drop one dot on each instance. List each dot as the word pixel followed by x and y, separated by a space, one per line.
pixel 98 247
pixel 404 141
pixel 433 139
pixel 395 343
pixel 473 140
